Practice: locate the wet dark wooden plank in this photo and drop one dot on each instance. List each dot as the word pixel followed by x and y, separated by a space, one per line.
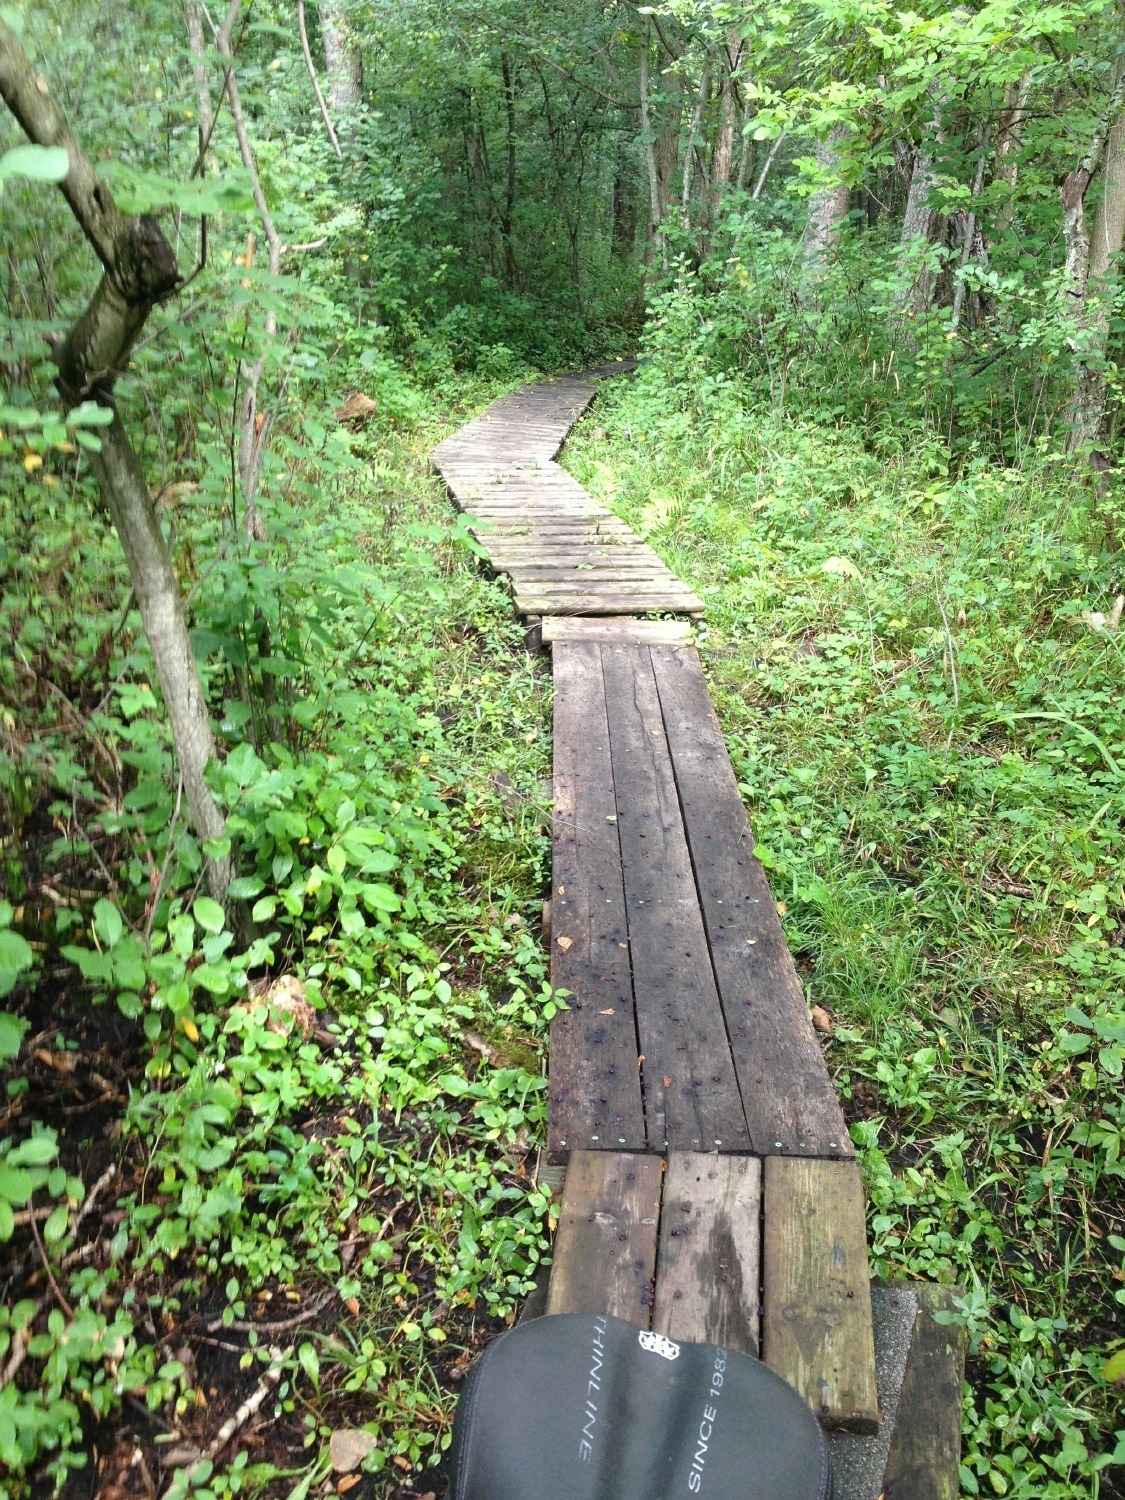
pixel 925 1455
pixel 691 1094
pixel 605 1248
pixel 594 1082
pixel 816 1322
pixel 707 1269
pixel 790 1103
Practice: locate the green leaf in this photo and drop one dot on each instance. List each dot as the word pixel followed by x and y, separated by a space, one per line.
pixel 209 914
pixel 107 922
pixel 16 1185
pixel 310 1363
pixel 37 1151
pixel 89 414
pixel 212 978
pixel 336 859
pixel 15 958
pixel 35 163
pixel 244 887
pixel 55 1227
pixel 1113 1370
pixel 12 1030
pixel 7 1220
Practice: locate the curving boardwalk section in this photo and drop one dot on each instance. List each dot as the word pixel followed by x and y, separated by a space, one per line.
pixel 711 1189
pixel 563 553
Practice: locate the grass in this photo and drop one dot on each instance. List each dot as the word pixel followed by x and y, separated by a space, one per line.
pixel 929 738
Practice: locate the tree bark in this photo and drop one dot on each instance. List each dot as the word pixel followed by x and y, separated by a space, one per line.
pixel 655 199
pixel 922 223
pixel 1008 137
pixel 1091 274
pixel 198 48
pixel 507 222
pixel 311 68
pixel 722 160
pixel 254 428
pixel 829 206
pixel 343 58
pixel 139 269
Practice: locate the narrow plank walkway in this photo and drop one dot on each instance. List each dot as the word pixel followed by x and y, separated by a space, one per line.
pixel 711 1189
pixel 563 553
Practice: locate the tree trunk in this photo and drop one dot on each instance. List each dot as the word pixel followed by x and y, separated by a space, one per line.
pixel 829 206
pixel 922 223
pixel 1008 138
pixel 344 62
pixel 722 160
pixel 652 166
pixel 139 269
pixel 254 425
pixel 624 205
pixel 198 48
pixel 507 222
pixel 1091 274
pixel 691 145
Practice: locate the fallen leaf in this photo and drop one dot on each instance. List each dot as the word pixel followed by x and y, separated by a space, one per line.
pixel 348 1447
pixel 781 908
pixel 348 1482
pixel 610 1012
pixel 564 943
pixel 667 1082
pixel 352 1305
pixel 821 1019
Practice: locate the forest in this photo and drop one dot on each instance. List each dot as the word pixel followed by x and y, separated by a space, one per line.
pixel 275 759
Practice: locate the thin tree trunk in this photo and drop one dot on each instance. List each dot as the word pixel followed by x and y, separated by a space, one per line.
pixel 968 244
pixel 507 223
pixel 343 58
pixel 765 172
pixel 922 223
pixel 746 156
pixel 253 429
pixel 655 205
pixel 1090 272
pixel 693 140
pixel 1008 138
pixel 198 49
pixel 829 206
pixel 722 159
pixel 311 66
pixel 139 269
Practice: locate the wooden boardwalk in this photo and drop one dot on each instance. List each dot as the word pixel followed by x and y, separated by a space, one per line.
pixel 711 1189
pixel 563 552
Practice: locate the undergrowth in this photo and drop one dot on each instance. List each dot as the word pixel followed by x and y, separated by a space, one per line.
pixel 310 1148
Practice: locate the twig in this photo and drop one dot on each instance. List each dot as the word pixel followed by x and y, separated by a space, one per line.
pixel 59 1298
pixel 20 1342
pixel 283 1325
pixel 315 80
pixel 952 663
pixel 245 1411
pixel 154 903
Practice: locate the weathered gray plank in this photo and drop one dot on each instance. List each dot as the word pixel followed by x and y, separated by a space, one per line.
pixel 691 1094
pixel 594 1091
pixel 789 1099
pixel 605 1248
pixel 816 1323
pixel 707 1269
pixel 621 629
